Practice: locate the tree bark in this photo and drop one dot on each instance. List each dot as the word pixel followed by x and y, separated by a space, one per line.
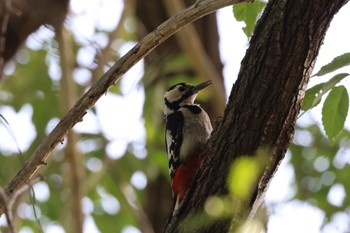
pixel 263 105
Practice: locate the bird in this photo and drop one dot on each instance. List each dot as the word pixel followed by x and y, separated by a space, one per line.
pixel 188 129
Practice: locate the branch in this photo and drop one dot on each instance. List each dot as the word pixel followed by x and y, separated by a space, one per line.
pixel 76 114
pixel 9 204
pixel 7 210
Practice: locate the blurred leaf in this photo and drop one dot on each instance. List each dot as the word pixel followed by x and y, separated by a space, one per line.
pixel 334 111
pixel 248 13
pixel 178 64
pixel 336 63
pixel 244 173
pixel 314 95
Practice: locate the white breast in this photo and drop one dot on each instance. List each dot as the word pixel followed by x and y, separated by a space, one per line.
pixel 197 130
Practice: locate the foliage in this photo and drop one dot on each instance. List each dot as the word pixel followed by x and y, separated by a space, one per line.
pixel 314 94
pixel 334 111
pixel 335 108
pixel 248 13
pixel 336 63
pixel 319 162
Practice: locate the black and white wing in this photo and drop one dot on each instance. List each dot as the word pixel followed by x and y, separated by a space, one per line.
pixel 173 140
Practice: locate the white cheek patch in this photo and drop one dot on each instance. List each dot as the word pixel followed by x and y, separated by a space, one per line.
pixel 172 95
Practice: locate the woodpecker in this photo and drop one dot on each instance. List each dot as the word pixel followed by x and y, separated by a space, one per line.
pixel 188 129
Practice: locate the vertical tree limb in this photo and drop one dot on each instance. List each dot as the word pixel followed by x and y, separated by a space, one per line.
pixel 72 155
pixel 4 20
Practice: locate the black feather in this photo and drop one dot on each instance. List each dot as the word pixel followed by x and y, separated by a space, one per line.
pixel 174 124
pixel 172 105
pixel 195 109
pixel 173 86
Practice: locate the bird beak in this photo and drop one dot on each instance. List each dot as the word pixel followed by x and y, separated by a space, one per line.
pixel 201 86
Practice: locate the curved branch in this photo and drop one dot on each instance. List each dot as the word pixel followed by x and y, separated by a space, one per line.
pixel 76 114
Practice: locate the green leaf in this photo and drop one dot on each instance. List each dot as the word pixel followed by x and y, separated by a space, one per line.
pixel 311 95
pixel 245 172
pixel 334 112
pixel 314 95
pixel 337 63
pixel 248 13
pixel 242 175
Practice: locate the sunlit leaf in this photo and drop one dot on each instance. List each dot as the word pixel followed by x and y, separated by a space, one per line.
pixel 334 111
pixel 248 13
pixel 336 63
pixel 245 172
pixel 314 95
pixel 242 175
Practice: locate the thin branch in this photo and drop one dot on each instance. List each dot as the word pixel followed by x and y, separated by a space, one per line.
pixel 76 114
pixel 9 203
pixel 7 210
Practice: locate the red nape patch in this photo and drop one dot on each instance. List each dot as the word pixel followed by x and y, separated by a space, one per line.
pixel 184 175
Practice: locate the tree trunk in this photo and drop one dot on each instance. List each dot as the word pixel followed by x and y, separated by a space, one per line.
pixel 263 105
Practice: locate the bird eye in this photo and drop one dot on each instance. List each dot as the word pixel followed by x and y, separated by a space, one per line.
pixel 181 88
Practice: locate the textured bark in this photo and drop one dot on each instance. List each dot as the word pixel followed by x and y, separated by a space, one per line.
pixel 264 102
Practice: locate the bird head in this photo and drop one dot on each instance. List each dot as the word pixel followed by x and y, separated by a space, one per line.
pixel 181 94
